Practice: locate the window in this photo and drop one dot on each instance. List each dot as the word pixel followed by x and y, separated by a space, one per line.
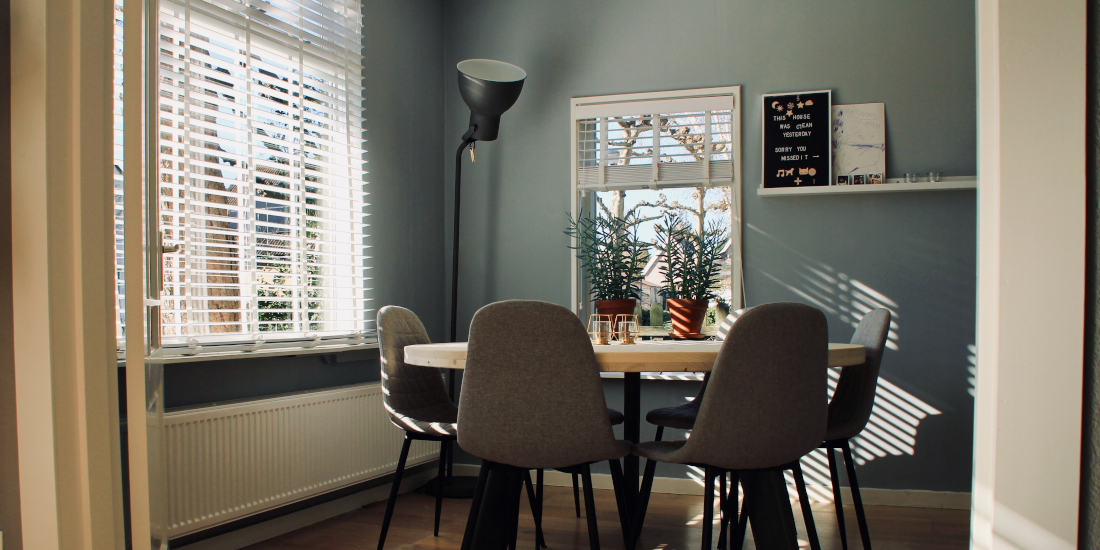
pixel 260 171
pixel 650 153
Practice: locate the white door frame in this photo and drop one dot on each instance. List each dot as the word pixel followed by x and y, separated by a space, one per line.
pixel 1031 228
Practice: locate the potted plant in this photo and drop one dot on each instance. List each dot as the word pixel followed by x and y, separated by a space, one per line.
pixel 690 265
pixel 613 257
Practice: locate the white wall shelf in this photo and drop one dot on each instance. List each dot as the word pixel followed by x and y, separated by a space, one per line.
pixel 891 185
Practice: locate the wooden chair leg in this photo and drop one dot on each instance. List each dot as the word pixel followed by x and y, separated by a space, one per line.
pixel 838 501
pixel 807 512
pixel 660 432
pixel 708 507
pixel 590 508
pixel 620 503
pixel 576 495
pixel 850 464
pixel 395 488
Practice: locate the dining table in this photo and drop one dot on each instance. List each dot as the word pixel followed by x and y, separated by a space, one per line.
pixel 769 511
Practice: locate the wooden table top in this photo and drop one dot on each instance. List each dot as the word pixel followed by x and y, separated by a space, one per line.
pixel 652 356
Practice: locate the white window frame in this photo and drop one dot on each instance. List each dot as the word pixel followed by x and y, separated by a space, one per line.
pixel 272 342
pixel 643 103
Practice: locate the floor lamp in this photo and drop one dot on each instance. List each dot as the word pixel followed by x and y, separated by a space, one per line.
pixel 489 88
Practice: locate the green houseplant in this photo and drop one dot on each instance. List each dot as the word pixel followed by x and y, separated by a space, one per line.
pixel 613 258
pixel 689 262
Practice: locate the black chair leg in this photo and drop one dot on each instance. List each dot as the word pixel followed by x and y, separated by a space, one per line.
pixel 660 432
pixel 538 498
pixel 590 508
pixel 850 464
pixel 804 501
pixel 443 447
pixel 395 488
pixel 533 500
pixel 708 506
pixel 730 513
pixel 742 525
pixel 643 497
pixel 620 503
pixel 475 506
pixel 722 510
pixel 838 502
pixel 576 495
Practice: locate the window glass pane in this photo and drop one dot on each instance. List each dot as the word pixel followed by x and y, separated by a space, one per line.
pixel 699 206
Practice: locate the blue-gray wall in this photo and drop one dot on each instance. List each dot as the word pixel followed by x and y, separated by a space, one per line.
pixel 914 250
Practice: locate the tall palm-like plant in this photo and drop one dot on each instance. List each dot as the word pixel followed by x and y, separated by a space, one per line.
pixel 610 253
pixel 690 258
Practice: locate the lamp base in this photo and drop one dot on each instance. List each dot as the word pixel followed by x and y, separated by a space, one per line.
pixel 453 487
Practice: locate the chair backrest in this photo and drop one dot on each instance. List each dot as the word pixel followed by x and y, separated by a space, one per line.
pixel 723 330
pixel 531 391
pixel 407 390
pixel 767 401
pixel 850 408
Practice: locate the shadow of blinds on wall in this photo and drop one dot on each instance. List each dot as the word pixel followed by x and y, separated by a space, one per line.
pixel 260 163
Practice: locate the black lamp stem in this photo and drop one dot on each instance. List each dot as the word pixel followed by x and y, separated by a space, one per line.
pixel 467 139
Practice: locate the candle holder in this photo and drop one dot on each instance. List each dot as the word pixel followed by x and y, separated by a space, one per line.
pixel 599 329
pixel 626 328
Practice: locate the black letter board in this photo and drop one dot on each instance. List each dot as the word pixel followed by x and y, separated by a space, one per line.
pixel 798 139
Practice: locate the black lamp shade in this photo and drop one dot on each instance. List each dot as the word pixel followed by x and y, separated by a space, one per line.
pixel 489 88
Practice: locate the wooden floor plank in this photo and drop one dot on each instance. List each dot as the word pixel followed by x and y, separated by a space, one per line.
pixel 672 523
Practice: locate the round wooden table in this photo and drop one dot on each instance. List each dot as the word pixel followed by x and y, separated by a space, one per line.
pixel 773 522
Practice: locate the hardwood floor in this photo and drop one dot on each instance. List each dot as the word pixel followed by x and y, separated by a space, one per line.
pixel 672 523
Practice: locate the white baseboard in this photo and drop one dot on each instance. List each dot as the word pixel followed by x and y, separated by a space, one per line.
pixel 284 524
pixel 679 486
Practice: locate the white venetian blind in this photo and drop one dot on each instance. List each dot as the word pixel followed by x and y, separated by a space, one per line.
pixel 691 138
pixel 261 169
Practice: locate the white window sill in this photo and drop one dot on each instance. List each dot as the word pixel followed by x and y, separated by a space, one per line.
pixel 174 357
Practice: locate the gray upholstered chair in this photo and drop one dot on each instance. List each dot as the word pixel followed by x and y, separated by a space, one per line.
pixel 415 398
pixel 682 417
pixel 850 409
pixel 532 399
pixel 766 405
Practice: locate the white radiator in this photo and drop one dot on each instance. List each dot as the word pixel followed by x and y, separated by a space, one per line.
pixel 231 461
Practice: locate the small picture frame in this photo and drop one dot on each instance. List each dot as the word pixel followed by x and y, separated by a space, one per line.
pixel 859 179
pixel 843 180
pixel 874 179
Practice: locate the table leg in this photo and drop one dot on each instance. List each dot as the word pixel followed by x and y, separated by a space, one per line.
pixel 769 509
pixel 492 517
pixel 632 389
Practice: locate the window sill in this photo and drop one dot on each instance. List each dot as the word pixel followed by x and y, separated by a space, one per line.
pixel 175 358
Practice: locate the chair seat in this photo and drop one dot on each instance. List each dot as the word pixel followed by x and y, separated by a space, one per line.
pixel 680 417
pixel 615 416
pixel 439 420
pixel 660 451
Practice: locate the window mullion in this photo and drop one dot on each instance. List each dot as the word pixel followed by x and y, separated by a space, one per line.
pixel 301 304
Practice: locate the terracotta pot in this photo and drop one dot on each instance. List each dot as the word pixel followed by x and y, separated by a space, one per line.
pixel 687 315
pixel 616 307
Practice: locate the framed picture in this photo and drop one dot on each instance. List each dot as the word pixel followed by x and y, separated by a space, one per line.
pixel 797 139
pixel 859 140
